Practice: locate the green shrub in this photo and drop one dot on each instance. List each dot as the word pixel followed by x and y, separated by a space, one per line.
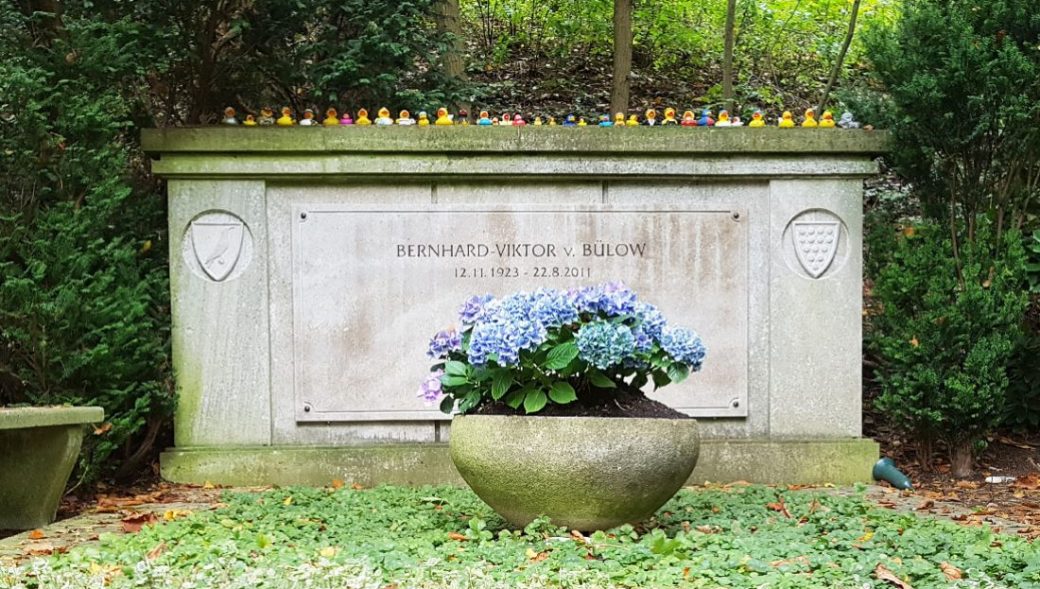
pixel 945 332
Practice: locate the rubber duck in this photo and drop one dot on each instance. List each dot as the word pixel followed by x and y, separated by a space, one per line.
pixel 604 121
pixel 757 120
pixel 484 120
pixel 537 121
pixel 848 121
pixel 723 119
pixel 405 118
pixel 463 118
pixel 346 120
pixel 308 118
pixel 424 119
pixel 383 117
pixel 669 117
pixel 331 118
pixel 250 121
pixel 229 117
pixel 827 122
pixel 518 121
pixel 619 119
pixel 810 119
pixel 688 120
pixel 286 119
pixel 266 117
pixel 581 122
pixel 706 120
pixel 570 121
pixel 362 117
pixel 551 122
pixel 443 120
pixel 736 122
pixel 651 118
pixel 494 121
pixel 786 120
pixel 633 121
pixel 505 119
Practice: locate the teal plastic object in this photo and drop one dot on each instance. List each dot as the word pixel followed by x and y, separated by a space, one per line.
pixel 885 470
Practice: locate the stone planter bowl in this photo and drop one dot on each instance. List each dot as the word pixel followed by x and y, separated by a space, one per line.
pixel 585 473
pixel 38 448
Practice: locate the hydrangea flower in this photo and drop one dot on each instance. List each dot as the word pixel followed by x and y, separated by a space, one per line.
pixel 604 344
pixel 651 321
pixel 684 345
pixel 505 330
pixel 430 389
pixel 444 342
pixel 553 308
pixel 612 298
pixel 472 310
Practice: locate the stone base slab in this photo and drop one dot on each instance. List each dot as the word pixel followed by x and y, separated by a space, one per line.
pixel 843 461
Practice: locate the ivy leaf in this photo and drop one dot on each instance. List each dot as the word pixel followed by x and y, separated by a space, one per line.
pixel 561 355
pixel 562 392
pixel 500 384
pixel 455 368
pixel 534 401
pixel 600 380
pixel 678 372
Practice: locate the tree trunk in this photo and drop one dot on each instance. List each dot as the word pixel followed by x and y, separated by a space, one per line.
pixel 449 22
pixel 925 449
pixel 836 70
pixel 622 56
pixel 962 459
pixel 727 57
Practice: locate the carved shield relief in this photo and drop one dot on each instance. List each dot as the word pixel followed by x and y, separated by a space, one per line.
pixel 815 243
pixel 216 244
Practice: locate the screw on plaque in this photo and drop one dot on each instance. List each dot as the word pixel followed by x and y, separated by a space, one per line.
pixel 303 215
pixel 306 407
pixel 735 215
pixel 734 403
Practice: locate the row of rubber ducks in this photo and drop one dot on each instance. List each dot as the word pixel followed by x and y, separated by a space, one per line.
pixel 443 118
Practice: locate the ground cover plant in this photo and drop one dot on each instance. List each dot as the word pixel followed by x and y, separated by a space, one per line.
pixel 743 536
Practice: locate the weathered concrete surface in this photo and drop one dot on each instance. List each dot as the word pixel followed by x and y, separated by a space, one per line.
pixel 585 473
pixel 38 448
pixel 841 461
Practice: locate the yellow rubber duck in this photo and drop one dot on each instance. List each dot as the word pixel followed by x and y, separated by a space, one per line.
pixel 362 117
pixel 537 121
pixel 786 121
pixel 619 119
pixel 827 122
pixel 250 121
pixel 442 118
pixel 286 119
pixel 757 120
pixel 383 117
pixel 669 117
pixel 424 119
pixel 405 118
pixel 723 119
pixel 581 122
pixel 688 120
pixel 552 122
pixel 810 119
pixel 633 121
pixel 331 118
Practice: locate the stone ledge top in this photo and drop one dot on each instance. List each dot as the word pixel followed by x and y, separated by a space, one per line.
pixel 26 417
pixel 483 140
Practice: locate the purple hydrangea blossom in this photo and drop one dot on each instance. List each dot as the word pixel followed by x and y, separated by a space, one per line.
pixel 472 310
pixel 553 308
pixel 430 389
pixel 651 321
pixel 444 342
pixel 605 344
pixel 507 328
pixel 612 299
pixel 684 346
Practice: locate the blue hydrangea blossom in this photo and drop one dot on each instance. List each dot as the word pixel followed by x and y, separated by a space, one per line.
pixel 605 344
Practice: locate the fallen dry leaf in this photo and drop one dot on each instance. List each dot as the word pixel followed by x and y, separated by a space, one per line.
pixel 103 429
pixel 36 535
pixel 952 573
pixel 925 505
pixel 536 556
pixel 155 552
pixel 208 485
pixel 39 549
pixel 456 536
pixel 171 514
pixel 779 506
pixel 328 551
pixel 884 574
pixel 967 485
pixel 337 484
pixel 804 560
pixel 287 500
pixel 135 521
pixel 356 486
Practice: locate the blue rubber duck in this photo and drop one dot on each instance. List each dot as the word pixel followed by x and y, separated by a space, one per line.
pixel 706 120
pixel 570 121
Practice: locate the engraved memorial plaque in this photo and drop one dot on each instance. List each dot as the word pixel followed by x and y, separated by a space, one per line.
pixel 372 284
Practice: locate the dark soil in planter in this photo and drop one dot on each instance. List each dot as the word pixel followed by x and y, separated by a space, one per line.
pixel 622 402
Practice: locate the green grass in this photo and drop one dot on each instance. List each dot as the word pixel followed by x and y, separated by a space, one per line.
pixel 445 537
